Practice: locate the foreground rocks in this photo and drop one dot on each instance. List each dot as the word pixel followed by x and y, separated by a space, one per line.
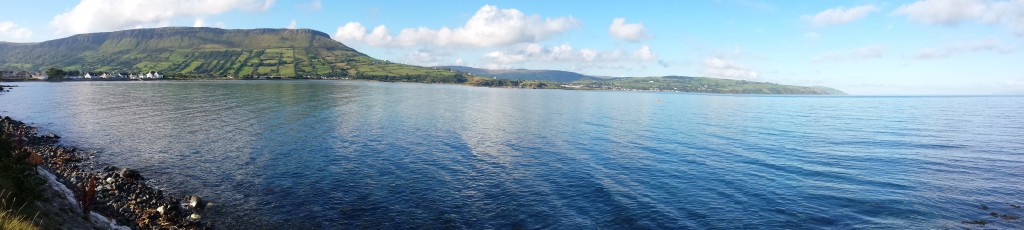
pixel 119 194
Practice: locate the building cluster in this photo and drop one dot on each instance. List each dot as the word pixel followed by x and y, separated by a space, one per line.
pixel 22 75
pixel 129 76
pixel 25 75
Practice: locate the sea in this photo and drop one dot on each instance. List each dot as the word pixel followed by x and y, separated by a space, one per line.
pixel 316 154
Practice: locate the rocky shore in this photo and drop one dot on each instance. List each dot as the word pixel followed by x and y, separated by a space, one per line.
pixel 118 194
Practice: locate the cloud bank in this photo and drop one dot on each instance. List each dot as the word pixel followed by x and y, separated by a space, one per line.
pixel 838 16
pixel 627 32
pixel 12 32
pixel 489 27
pixel 565 53
pixel 98 15
pixel 1009 14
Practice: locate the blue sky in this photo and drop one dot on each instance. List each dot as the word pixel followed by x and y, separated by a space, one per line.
pixel 862 47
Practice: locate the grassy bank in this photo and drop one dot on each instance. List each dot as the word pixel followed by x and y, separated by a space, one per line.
pixel 19 186
pixel 11 218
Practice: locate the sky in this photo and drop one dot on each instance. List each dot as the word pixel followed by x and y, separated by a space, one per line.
pixel 931 47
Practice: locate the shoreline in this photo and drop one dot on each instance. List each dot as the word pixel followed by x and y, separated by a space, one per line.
pixel 438 83
pixel 114 197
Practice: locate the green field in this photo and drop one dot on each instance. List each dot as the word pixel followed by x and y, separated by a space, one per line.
pixel 210 52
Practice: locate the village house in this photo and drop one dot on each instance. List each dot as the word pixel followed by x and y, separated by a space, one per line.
pixel 153 75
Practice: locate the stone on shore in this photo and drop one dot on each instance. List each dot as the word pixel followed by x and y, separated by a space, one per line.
pixel 196 202
pixel 130 174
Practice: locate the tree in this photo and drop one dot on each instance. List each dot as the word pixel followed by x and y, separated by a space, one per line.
pixel 56 74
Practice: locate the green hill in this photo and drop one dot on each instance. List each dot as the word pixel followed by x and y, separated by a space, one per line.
pixel 574 80
pixel 699 85
pixel 212 52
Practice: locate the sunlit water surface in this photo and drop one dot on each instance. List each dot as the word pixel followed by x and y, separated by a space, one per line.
pixel 340 154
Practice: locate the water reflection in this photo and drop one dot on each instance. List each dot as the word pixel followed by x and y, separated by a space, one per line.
pixel 336 154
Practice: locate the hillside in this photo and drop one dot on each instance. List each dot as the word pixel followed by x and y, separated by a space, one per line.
pixel 669 83
pixel 191 52
pixel 211 52
pixel 699 85
pixel 522 74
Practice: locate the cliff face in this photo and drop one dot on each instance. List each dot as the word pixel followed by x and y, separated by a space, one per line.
pixel 190 37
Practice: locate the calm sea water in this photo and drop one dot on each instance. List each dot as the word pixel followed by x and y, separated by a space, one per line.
pixel 338 154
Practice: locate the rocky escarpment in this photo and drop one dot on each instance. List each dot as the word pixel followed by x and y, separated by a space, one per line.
pixel 119 194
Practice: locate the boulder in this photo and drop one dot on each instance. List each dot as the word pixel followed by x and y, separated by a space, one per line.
pixel 196 202
pixel 130 174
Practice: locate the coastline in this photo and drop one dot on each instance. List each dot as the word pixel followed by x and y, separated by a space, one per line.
pixel 557 86
pixel 115 198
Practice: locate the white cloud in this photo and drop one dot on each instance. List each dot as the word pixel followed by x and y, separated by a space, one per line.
pixel 503 60
pixel 314 5
pixel 98 15
pixel 866 52
pixel 292 24
pixel 565 53
pixel 352 31
pixel 1009 14
pixel 838 16
pixel 627 32
pixel 721 68
pixel 943 12
pixel 429 57
pixel 379 36
pixel 489 27
pixel 980 45
pixel 11 32
pixel 420 57
pixel 201 22
pixel 645 53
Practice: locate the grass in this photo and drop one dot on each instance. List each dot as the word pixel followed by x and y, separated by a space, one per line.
pixel 18 190
pixel 9 217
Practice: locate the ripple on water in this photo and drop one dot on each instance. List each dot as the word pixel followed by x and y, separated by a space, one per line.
pixel 336 154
